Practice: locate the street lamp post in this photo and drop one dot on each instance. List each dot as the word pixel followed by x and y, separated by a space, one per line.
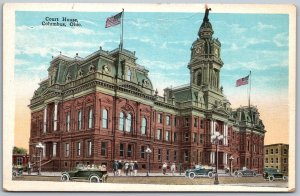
pixel 230 163
pixel 148 151
pixel 215 138
pixel 39 146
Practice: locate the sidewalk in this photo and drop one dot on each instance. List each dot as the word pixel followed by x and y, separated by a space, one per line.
pixel 158 174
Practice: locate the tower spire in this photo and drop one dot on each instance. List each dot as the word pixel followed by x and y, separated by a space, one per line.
pixel 206 19
pixel 206 30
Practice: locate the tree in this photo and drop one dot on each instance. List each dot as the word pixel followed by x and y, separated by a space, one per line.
pixel 19 150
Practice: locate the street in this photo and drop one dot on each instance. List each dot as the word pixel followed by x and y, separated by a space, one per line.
pixel 169 180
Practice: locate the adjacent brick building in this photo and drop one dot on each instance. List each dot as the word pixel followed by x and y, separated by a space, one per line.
pixel 277 156
pixel 103 107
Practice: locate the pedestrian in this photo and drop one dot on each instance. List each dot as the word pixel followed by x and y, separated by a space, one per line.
pixel 29 168
pixel 131 164
pixel 115 167
pixel 173 168
pixel 135 168
pixel 126 167
pixel 180 168
pixel 164 168
pixel 120 167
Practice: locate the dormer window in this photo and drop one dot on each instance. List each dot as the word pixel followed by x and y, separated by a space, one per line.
pixel 129 75
pixel 68 78
pixel 80 73
pixel 92 68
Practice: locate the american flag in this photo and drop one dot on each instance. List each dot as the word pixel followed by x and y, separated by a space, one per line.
pixel 113 20
pixel 242 81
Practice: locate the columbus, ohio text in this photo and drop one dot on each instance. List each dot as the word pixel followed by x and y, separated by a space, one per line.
pixel 63 22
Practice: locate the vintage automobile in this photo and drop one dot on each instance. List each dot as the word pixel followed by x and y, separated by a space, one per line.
pixel 272 174
pixel 245 172
pixel 92 174
pixel 200 171
pixel 17 170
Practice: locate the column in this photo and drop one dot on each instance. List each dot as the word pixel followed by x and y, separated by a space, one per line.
pixel 55 116
pixel 54 149
pixel 211 157
pixel 226 130
pixel 224 133
pixel 45 119
pixel 214 129
pixel 44 150
pixel 211 129
pixel 225 158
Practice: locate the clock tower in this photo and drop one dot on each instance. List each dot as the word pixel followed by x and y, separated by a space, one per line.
pixel 205 63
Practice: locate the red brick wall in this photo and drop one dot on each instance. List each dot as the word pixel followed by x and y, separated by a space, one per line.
pixel 113 137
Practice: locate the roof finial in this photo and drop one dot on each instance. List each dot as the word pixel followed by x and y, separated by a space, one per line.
pixel 206 13
pixel 59 52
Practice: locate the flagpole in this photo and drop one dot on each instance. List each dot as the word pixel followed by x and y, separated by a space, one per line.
pixel 249 89
pixel 122 29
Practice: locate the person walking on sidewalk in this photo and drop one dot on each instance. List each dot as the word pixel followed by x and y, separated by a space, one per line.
pixel 120 167
pixel 126 168
pixel 173 168
pixel 115 167
pixel 135 168
pixel 131 164
pixel 164 168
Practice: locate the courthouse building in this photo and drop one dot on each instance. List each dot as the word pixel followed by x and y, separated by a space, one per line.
pixel 277 156
pixel 103 107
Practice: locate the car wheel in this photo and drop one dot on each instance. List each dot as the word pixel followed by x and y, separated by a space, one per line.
pixel 254 174
pixel 94 179
pixel 236 173
pixel 210 174
pixel 192 175
pixel 284 178
pixel 65 178
pixel 14 174
pixel 239 174
pixel 271 178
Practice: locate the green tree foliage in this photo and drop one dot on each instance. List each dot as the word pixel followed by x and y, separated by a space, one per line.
pixel 19 150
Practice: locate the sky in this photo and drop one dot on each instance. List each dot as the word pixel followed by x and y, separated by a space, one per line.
pixel 162 41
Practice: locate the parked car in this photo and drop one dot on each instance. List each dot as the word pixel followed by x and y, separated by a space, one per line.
pixel 92 174
pixel 245 172
pixel 17 170
pixel 200 171
pixel 272 174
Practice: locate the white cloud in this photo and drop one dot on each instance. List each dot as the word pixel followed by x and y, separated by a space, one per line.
pixel 154 64
pixel 281 39
pixel 249 65
pixel 19 62
pixel 237 28
pixel 261 26
pixel 89 22
pixel 142 39
pixel 139 23
pixel 170 44
pixel 245 42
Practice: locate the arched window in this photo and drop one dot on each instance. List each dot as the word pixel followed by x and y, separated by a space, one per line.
pixel 68 121
pixel 104 118
pixel 121 123
pixel 199 78
pixel 128 122
pixel 90 118
pixel 144 126
pixel 79 120
pixel 128 75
